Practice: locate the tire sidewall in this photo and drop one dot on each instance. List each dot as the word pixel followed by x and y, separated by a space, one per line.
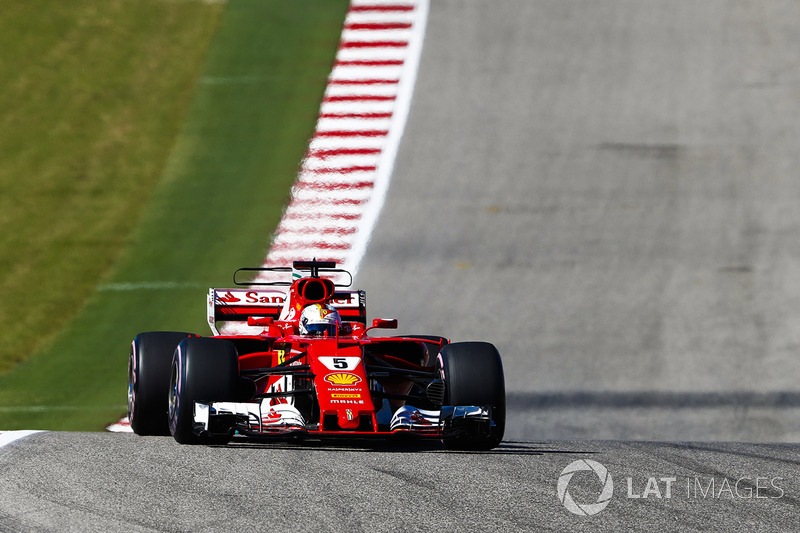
pixel 203 370
pixel 149 365
pixel 473 375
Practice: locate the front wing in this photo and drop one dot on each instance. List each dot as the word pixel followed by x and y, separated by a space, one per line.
pixel 267 420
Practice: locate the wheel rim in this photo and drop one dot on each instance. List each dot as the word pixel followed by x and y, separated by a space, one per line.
pixel 173 391
pixel 131 389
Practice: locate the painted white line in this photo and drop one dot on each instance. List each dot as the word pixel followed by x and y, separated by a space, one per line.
pixel 360 72
pixel 347 122
pixel 339 160
pixel 390 35
pixel 343 143
pixel 7 437
pixel 340 107
pixel 371 54
pixel 374 90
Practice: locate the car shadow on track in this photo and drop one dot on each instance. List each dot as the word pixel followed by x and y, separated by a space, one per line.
pixel 520 448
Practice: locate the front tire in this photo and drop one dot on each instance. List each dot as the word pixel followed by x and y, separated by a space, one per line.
pixel 149 366
pixel 203 370
pixel 473 375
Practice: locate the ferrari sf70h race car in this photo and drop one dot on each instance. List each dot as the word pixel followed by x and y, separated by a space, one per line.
pixel 298 361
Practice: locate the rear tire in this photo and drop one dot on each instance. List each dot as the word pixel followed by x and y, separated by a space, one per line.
pixel 473 375
pixel 149 368
pixel 203 370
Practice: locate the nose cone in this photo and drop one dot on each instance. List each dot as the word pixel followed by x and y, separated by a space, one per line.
pixel 348 419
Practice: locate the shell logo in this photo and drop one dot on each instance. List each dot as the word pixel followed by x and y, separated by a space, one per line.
pixel 342 378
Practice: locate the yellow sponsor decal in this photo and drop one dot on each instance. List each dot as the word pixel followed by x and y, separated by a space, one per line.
pixel 342 378
pixel 339 395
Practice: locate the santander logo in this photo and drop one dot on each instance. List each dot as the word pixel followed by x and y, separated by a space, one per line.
pixel 229 298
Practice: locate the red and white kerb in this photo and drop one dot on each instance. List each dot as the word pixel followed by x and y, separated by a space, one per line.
pixel 344 177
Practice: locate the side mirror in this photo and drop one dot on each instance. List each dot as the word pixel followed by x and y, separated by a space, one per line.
pixel 384 323
pixel 380 323
pixel 260 321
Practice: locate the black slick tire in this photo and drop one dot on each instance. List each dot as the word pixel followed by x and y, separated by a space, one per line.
pixel 203 370
pixel 473 375
pixel 149 366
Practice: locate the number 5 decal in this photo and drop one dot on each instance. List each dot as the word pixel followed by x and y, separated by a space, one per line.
pixel 340 363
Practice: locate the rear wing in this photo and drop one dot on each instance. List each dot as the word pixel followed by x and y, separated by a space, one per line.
pixel 229 309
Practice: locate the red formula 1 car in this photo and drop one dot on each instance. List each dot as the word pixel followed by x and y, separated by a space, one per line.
pixel 306 366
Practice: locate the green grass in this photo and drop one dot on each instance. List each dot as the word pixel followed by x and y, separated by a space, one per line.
pixel 92 101
pixel 221 184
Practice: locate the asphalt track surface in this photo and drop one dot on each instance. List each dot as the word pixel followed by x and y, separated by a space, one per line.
pixel 607 191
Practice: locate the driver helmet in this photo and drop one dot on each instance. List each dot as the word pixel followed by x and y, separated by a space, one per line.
pixel 320 319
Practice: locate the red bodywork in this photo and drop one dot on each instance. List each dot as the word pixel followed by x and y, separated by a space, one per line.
pixel 331 386
pixel 258 376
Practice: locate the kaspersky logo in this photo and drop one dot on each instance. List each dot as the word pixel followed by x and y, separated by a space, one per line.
pixel 590 508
